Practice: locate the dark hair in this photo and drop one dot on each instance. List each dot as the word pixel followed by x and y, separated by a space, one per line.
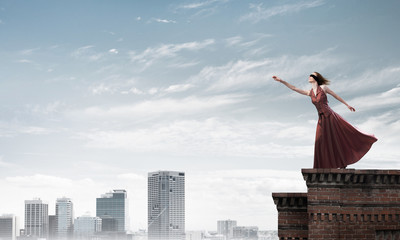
pixel 320 79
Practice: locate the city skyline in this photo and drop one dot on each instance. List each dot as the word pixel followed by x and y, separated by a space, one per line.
pixel 96 94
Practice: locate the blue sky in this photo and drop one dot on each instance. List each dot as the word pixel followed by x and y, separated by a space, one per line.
pixel 95 94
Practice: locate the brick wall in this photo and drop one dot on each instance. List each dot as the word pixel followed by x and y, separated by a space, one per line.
pixel 292 215
pixel 346 204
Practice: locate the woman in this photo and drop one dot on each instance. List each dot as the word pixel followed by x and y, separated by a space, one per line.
pixel 337 142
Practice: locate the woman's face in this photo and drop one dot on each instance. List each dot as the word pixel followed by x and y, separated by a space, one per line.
pixel 311 79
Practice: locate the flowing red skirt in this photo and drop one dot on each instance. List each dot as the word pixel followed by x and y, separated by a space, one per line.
pixel 338 143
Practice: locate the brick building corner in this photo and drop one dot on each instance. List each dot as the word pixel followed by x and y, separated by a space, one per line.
pixel 342 204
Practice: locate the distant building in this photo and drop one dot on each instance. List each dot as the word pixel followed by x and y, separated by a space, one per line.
pixel 194 235
pixel 113 209
pixel 225 227
pixel 166 205
pixel 8 227
pixel 64 218
pixel 36 218
pixel 52 227
pixel 86 227
pixel 240 233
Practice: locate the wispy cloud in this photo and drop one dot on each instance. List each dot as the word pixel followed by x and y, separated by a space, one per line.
pixel 387 99
pixel 87 53
pixel 178 88
pixel 28 52
pixel 164 20
pixel 260 13
pixel 201 4
pixel 156 108
pixel 152 55
pixel 247 74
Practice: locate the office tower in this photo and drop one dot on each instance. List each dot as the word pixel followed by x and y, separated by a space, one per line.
pixel 64 218
pixel 8 227
pixel 166 205
pixel 85 227
pixel 113 208
pixel 225 227
pixel 36 218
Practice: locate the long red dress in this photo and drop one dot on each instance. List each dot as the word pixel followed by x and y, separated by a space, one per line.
pixel 337 142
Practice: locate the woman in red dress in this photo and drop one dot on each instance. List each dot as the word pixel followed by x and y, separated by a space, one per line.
pixel 337 142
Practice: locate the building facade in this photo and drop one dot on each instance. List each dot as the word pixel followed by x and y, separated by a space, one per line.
pixel 113 207
pixel 225 227
pixel 8 227
pixel 36 218
pixel 241 233
pixel 166 205
pixel 342 204
pixel 52 227
pixel 86 227
pixel 64 218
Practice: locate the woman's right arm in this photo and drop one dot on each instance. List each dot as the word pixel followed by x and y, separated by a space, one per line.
pixel 301 91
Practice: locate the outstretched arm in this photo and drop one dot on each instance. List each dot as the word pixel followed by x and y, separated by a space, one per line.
pixel 301 91
pixel 328 90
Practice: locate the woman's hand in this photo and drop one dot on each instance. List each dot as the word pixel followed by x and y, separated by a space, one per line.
pixel 277 79
pixel 351 108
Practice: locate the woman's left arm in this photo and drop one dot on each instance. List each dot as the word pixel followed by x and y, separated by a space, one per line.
pixel 328 90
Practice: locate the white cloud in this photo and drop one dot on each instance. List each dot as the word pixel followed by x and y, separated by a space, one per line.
pixel 178 88
pixel 259 13
pixel 134 91
pixel 152 55
pixel 113 51
pixel 164 20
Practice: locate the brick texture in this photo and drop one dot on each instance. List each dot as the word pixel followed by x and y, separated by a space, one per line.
pixel 342 204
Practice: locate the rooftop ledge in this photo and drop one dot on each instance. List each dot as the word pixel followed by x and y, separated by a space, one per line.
pixel 351 177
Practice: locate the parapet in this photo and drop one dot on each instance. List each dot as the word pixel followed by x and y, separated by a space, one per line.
pixel 342 204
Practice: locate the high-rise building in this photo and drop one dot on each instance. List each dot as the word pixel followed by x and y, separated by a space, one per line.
pixel 8 227
pixel 113 206
pixel 64 218
pixel 166 205
pixel 225 227
pixel 85 227
pixel 36 218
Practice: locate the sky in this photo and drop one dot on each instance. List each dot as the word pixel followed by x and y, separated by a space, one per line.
pixel 94 95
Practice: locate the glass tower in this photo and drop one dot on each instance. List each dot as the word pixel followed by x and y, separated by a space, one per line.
pixel 64 218
pixel 166 205
pixel 113 208
pixel 36 218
